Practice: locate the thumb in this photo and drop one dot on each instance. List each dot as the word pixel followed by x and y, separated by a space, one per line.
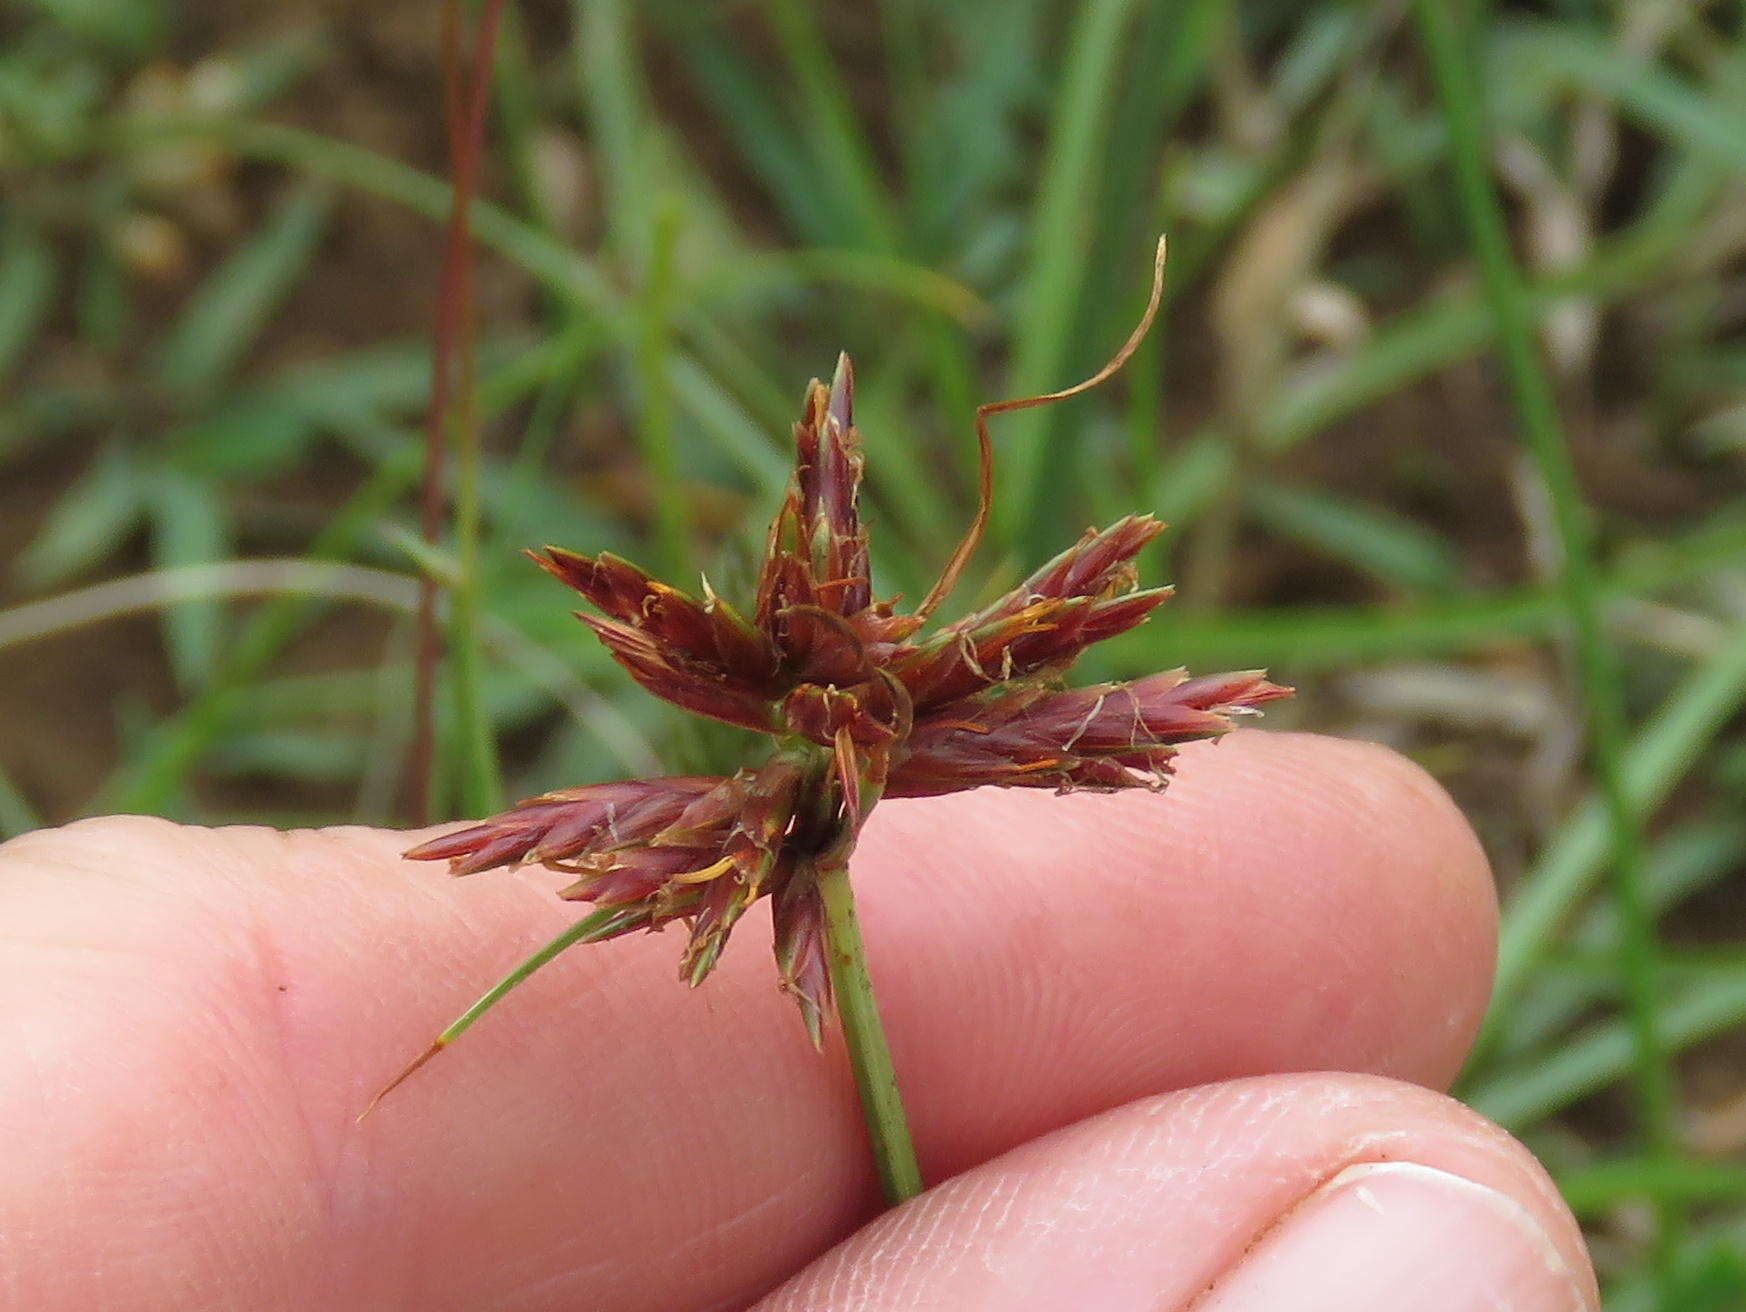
pixel 1313 1192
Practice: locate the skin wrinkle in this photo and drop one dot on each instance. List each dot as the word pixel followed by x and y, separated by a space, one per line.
pixel 922 1250
pixel 1358 801
pixel 542 1292
pixel 49 847
pixel 1007 1193
pixel 721 1235
pixel 257 981
pixel 259 1136
pixel 862 1278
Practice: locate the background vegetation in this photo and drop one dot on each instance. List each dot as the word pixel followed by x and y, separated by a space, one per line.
pixel 220 254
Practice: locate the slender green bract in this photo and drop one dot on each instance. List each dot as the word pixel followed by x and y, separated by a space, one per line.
pixel 863 1034
pixel 603 923
pixel 599 924
pixel 869 1054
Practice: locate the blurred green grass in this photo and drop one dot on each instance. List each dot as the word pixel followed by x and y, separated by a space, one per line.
pixel 218 258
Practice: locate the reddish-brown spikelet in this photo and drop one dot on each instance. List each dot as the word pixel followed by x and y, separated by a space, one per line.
pixel 708 635
pixel 1090 738
pixel 857 706
pixel 566 824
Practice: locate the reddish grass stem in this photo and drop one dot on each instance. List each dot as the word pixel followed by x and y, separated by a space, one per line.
pixel 465 101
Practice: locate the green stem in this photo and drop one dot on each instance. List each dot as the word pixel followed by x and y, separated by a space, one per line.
pixel 1063 225
pixel 1452 61
pixel 655 388
pixel 887 1127
pixel 481 788
pixel 152 777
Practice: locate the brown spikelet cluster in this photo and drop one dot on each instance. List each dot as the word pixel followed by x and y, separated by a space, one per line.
pixel 858 703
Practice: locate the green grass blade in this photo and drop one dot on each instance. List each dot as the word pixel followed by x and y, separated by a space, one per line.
pixel 479 785
pixel 1063 226
pixel 88 522
pixel 561 270
pixel 913 498
pixel 155 771
pixel 318 756
pixel 655 396
pixel 1645 91
pixel 1168 56
pixel 611 82
pixel 517 117
pixel 1574 859
pixel 27 284
pixel 876 271
pixel 1189 476
pixel 189 527
pixel 1536 405
pixel 1385 546
pixel 841 156
pixel 1455 327
pixel 1321 637
pixel 1692 857
pixel 1521 1095
pixel 1603 1186
pixel 744 101
pixel 564 272
pixel 228 310
pixel 746 442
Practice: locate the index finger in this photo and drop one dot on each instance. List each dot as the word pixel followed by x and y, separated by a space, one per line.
pixel 223 1004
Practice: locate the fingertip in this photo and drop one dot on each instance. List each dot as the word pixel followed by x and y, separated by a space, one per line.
pixel 1370 844
pixel 1315 1192
pixel 1376 809
pixel 1290 902
pixel 1406 866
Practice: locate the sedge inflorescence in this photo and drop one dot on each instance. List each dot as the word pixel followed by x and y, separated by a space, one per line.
pixel 859 703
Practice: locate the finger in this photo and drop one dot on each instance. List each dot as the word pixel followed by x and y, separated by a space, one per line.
pixel 1291 903
pixel 224 1004
pixel 1319 1193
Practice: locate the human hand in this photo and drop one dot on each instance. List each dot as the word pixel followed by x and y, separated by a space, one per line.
pixel 1100 1007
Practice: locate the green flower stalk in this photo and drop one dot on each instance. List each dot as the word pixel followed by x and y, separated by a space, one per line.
pixel 859 704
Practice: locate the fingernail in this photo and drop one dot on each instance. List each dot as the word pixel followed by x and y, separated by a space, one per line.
pixel 1392 1235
